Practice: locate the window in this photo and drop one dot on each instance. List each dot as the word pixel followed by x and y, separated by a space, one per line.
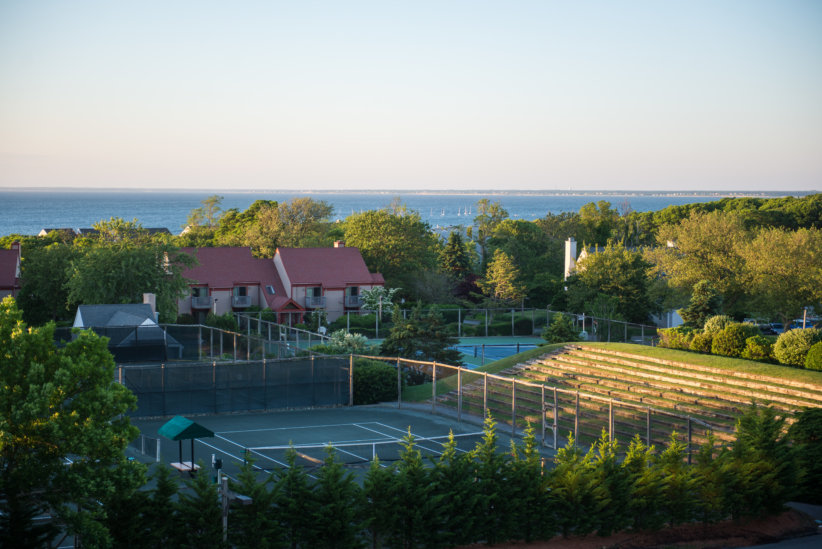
pixel 199 291
pixel 352 291
pixel 270 289
pixel 316 291
pixel 240 291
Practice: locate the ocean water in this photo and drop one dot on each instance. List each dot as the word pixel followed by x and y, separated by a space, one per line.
pixel 27 212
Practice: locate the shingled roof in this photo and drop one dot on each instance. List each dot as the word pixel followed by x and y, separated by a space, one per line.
pixel 328 267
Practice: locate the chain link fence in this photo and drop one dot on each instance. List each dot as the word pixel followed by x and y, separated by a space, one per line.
pixel 555 414
pixel 223 387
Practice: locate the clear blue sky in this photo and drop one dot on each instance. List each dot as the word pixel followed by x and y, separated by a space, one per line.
pixel 615 95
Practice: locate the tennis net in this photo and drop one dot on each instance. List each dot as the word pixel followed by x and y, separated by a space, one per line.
pixel 359 452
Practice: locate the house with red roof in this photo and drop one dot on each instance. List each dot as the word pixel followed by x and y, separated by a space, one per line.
pixel 325 278
pixel 295 281
pixel 230 279
pixel 10 271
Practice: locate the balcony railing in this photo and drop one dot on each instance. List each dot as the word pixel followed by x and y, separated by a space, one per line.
pixel 353 301
pixel 201 302
pixel 240 301
pixel 314 302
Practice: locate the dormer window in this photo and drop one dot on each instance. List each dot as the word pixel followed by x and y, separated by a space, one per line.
pixel 270 289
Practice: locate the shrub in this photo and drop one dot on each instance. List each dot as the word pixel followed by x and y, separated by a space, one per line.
pixel 185 318
pixel 730 341
pixel 374 381
pixel 716 324
pixel 225 322
pixel 792 347
pixel 814 359
pixel 677 338
pixel 758 347
pixel 560 330
pixel 702 342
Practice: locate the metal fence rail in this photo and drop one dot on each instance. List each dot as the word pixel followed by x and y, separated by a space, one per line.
pixel 555 413
pixel 220 387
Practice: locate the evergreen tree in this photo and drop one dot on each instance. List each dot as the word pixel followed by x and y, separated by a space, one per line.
pixel 200 511
pixel 705 303
pixel 708 476
pixel 527 486
pixel 613 478
pixel 380 505
pixel 560 330
pixel 336 507
pixel 454 259
pixel 501 280
pixel 254 525
pixel 417 505
pixel 576 495
pixel 453 480
pixel 160 514
pixel 806 435
pixel 294 496
pixel 490 473
pixel 678 484
pixel 645 486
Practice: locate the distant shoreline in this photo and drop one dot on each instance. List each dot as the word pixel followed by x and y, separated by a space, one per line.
pixel 489 192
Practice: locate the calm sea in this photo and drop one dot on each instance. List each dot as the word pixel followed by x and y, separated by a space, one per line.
pixel 27 212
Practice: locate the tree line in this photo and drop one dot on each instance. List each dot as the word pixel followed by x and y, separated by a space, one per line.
pixel 761 255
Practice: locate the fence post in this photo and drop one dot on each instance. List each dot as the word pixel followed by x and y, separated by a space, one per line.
pixel 313 380
pixel 513 407
pixel 486 322
pixel 626 333
pixel 199 342
pixel 576 420
pixel 235 347
pixel 483 355
pixel 265 387
pixel 348 322
pixel 611 419
pixel 459 322
pixel 157 457
pixel 399 383
pixel 542 407
pixel 512 323
pixel 642 332
pixel 214 383
pixel 689 440
pixel 434 389
pixel 211 344
pixel 648 428
pixel 377 326
pixel 163 385
pixel 556 418
pixel 459 395
pixel 120 373
pixel 485 395
pixel 351 379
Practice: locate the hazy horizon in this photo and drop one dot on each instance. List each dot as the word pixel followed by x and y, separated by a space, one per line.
pixel 531 95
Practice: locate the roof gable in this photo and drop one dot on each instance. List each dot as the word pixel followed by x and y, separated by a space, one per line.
pixel 129 314
pixel 328 267
pixel 9 268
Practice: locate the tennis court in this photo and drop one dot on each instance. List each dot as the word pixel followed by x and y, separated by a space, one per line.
pixel 358 434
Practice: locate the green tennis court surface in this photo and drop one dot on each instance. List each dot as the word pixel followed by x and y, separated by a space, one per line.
pixel 357 433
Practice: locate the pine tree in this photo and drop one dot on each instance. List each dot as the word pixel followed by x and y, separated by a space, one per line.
pixel 708 472
pixel 613 515
pixel 527 485
pixel 645 486
pixel 380 506
pixel 490 472
pixel 501 280
pixel 294 501
pixel 454 260
pixel 199 510
pixel 453 480
pixel 416 502
pixel 705 302
pixel 576 495
pixel 679 490
pixel 254 525
pixel 336 506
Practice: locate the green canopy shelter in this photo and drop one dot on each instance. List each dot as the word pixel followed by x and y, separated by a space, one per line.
pixel 180 428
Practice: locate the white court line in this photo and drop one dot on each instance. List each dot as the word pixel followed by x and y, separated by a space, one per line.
pixel 301 427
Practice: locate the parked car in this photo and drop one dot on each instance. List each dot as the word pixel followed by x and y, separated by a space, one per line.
pixel 777 327
pixel 766 329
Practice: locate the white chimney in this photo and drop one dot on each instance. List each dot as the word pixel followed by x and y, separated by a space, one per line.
pixel 570 256
pixel 339 244
pixel 151 299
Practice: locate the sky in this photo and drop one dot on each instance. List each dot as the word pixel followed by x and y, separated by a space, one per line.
pixel 430 95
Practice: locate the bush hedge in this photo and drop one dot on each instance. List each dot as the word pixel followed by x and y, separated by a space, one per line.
pixel 716 324
pixel 701 342
pixel 730 341
pixel 792 347
pixel 758 347
pixel 374 381
pixel 813 361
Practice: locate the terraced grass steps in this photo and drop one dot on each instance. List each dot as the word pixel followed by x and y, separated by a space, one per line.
pixel 631 393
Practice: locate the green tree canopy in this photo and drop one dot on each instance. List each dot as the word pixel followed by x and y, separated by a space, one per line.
pixel 395 245
pixel 63 432
pixel 502 279
pixel 617 272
